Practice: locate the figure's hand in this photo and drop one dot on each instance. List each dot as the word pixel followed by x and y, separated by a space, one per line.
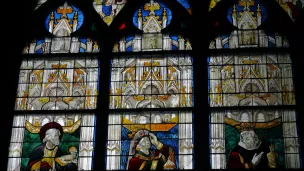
pixel 257 158
pixel 153 139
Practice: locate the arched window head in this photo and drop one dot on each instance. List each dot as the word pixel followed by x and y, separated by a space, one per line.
pixel 151 18
pixel 62 22
pixel 247 16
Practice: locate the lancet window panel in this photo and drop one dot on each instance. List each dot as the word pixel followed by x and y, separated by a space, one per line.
pixel 152 81
pixel 164 140
pixel 59 83
pixel 237 136
pixel 34 139
pixel 247 16
pixel 254 79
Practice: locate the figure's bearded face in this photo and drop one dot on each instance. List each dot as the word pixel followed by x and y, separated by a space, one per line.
pixel 250 139
pixel 144 143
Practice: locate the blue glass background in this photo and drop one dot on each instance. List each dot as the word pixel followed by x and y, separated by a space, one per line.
pixel 70 17
pixel 252 9
pixel 185 3
pixel 157 13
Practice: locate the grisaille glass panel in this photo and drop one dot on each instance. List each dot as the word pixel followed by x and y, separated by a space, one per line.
pixel 256 138
pixel 151 82
pixel 250 79
pixel 58 84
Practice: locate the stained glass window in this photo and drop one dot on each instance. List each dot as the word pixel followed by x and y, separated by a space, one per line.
pixel 252 137
pixel 144 96
pixel 58 141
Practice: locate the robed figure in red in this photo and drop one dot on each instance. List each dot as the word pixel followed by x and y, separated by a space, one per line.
pixel 145 158
pixel 251 152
